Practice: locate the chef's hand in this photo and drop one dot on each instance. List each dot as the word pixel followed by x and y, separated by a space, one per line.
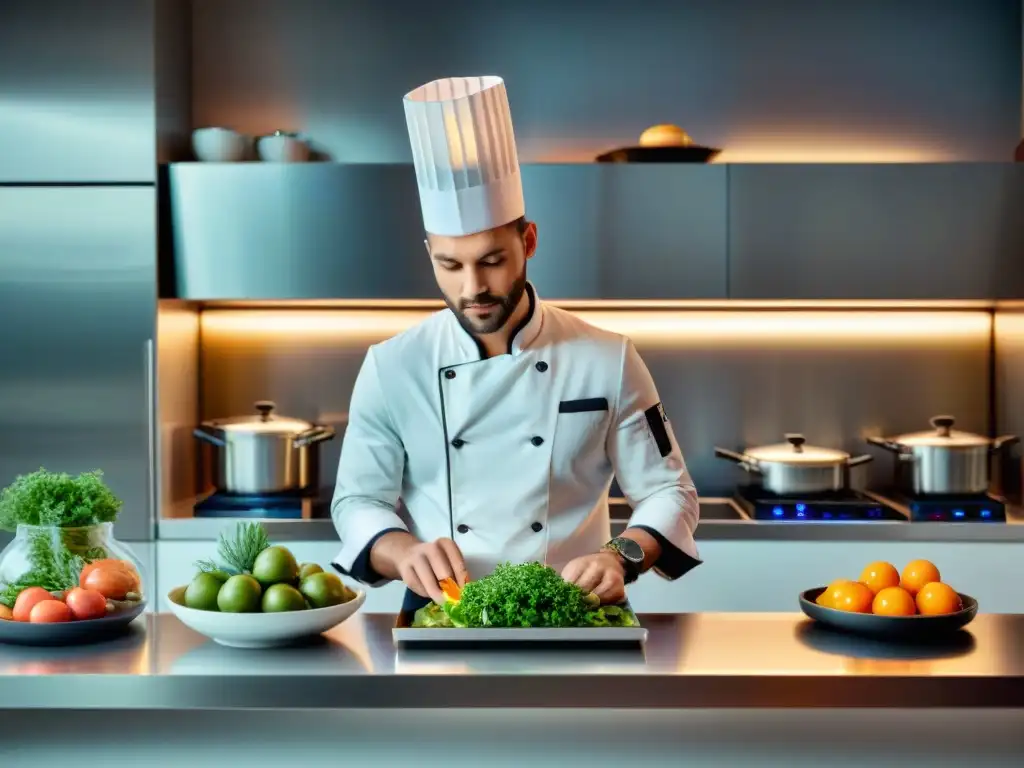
pixel 420 564
pixel 601 573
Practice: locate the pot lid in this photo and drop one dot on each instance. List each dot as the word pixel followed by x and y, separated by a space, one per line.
pixel 943 435
pixel 796 451
pixel 264 421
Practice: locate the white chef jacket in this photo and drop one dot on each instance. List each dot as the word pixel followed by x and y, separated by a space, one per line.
pixel 510 456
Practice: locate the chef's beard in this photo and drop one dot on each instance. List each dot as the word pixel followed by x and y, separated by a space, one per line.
pixel 503 308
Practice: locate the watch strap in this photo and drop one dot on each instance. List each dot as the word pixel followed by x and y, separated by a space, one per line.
pixel 631 569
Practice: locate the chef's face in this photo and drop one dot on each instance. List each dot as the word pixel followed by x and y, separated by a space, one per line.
pixel 483 276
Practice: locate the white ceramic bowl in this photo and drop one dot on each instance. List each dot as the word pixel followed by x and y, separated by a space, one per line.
pixel 261 630
pixel 219 145
pixel 279 148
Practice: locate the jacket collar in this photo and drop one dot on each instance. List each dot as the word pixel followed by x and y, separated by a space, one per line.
pixel 463 347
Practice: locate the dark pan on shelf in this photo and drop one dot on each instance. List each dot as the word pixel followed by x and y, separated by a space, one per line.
pixel 691 154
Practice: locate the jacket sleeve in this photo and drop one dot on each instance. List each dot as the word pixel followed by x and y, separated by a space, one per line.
pixel 369 476
pixel 650 469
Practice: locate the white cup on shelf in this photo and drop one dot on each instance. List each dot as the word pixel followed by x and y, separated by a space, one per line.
pixel 219 145
pixel 282 147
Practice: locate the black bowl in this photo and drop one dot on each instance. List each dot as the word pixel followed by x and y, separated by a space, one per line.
pixel 691 154
pixel 895 628
pixel 70 632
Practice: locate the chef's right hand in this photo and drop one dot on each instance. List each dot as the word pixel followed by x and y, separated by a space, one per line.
pixel 426 563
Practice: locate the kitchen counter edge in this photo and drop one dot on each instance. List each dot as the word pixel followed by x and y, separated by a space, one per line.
pixel 712 528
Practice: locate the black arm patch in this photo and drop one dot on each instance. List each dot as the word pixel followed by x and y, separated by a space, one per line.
pixel 656 420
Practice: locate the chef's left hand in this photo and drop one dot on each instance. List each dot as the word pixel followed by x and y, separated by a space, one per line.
pixel 601 573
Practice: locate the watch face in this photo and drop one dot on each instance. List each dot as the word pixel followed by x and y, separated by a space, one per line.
pixel 629 549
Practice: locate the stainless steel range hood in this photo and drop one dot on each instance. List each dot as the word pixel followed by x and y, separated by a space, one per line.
pixel 262 231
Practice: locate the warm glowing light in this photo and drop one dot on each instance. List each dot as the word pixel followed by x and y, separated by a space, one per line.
pixel 576 304
pixel 644 326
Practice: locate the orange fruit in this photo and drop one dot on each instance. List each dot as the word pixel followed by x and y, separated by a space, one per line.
pixel 936 599
pixel 854 597
pixel 917 574
pixel 893 601
pixel 832 591
pixel 880 575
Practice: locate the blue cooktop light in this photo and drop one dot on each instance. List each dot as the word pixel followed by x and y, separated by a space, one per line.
pixel 777 511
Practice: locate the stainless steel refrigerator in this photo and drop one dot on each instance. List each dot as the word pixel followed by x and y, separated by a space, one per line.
pixel 78 280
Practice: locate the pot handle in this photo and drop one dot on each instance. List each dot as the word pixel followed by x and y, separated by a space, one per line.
pixel 856 461
pixel 889 445
pixel 744 461
pixel 311 436
pixel 1005 441
pixel 204 433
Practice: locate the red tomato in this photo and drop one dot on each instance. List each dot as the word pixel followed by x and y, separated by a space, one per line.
pixel 86 604
pixel 27 600
pixel 113 582
pixel 49 611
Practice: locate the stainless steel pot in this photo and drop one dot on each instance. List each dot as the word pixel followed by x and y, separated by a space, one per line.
pixel 944 460
pixel 264 453
pixel 794 468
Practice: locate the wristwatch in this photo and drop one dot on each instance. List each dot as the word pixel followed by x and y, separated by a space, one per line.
pixel 630 553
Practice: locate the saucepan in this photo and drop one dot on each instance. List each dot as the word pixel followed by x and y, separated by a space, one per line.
pixel 944 460
pixel 794 467
pixel 264 453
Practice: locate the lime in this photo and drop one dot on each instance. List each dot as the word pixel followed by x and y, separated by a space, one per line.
pixel 308 569
pixel 239 594
pixel 323 589
pixel 282 597
pixel 222 575
pixel 202 592
pixel 275 565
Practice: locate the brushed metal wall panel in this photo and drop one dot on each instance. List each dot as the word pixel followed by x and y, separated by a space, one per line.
pixel 879 232
pixel 326 230
pixel 77 306
pixel 293 231
pixel 628 231
pixel 664 232
pixel 915 79
pixel 567 202
pixel 719 386
pixel 76 91
pixel 172 77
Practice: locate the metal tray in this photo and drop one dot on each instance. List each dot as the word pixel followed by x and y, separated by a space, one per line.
pixel 405 634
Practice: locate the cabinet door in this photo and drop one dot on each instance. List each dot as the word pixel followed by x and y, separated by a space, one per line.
pixel 876 231
pixel 628 231
pixel 77 91
pixel 77 309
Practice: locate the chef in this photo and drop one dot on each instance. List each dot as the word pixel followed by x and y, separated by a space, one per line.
pixel 491 431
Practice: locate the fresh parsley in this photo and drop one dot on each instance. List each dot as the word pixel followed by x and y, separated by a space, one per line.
pixel 526 595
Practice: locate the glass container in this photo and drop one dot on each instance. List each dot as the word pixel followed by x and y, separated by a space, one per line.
pixel 58 559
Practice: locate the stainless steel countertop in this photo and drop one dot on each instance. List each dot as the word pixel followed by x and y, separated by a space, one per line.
pixel 690 660
pixel 721 519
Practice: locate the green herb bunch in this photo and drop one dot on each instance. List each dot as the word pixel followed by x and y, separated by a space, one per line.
pixel 57 499
pixel 525 595
pixel 238 550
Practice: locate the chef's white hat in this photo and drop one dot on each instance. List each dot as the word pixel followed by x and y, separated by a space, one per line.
pixel 465 156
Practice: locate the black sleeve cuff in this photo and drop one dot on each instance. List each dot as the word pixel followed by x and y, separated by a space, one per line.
pixel 673 562
pixel 361 570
